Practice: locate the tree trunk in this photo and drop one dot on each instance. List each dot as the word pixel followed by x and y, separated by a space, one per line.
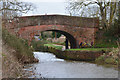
pixel 119 17
pixel 112 12
pixel 103 21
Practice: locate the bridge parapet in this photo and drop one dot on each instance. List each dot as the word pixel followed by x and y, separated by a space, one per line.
pixel 56 20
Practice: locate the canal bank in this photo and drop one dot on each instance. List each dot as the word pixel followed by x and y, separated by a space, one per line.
pixel 51 67
pixel 12 67
pixel 15 54
pixel 101 56
pixel 78 55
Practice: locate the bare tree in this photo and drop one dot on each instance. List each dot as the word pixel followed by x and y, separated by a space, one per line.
pixel 104 9
pixel 13 8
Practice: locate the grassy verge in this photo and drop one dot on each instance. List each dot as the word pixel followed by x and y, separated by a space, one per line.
pixel 90 49
pixel 53 46
pixel 24 53
pixel 106 45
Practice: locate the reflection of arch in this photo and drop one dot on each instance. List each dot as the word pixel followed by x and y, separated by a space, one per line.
pixel 71 39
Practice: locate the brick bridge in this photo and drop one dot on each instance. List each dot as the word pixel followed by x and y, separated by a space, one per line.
pixel 76 29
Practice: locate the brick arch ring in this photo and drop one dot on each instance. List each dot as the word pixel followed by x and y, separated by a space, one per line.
pixel 30 31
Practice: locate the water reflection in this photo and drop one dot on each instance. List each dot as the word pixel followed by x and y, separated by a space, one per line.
pixel 52 67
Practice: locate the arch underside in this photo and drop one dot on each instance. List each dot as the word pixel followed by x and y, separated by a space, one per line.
pixel 70 38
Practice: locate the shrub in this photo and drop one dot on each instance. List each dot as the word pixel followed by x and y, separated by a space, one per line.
pixel 20 45
pixel 39 45
pixel 108 37
pixel 100 59
pixel 110 60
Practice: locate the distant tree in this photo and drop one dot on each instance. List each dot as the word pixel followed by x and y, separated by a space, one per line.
pixel 42 36
pixel 57 34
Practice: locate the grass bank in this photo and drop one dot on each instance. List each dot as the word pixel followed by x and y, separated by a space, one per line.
pixel 24 52
pixel 106 45
pixel 15 53
pixel 43 45
pixel 53 46
pixel 111 57
pixel 11 68
pixel 90 49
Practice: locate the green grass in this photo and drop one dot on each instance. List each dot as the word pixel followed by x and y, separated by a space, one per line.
pixel 53 46
pixel 89 49
pixel 108 45
pixel 59 43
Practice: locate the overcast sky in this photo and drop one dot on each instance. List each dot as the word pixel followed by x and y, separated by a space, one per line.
pixel 48 7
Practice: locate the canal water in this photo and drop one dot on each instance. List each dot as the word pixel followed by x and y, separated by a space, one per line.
pixel 51 67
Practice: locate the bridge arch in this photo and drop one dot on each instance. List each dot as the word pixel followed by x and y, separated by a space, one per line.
pixel 70 38
pixel 30 31
pixel 81 29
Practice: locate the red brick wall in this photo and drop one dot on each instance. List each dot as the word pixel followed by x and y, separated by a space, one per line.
pixel 80 34
pixel 80 28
